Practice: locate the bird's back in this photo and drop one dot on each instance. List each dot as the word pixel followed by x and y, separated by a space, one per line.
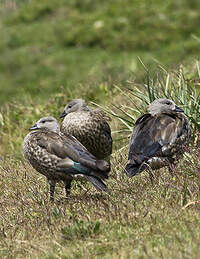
pixel 91 129
pixel 159 140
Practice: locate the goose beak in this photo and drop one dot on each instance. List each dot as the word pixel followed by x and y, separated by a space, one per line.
pixel 178 109
pixel 34 127
pixel 63 114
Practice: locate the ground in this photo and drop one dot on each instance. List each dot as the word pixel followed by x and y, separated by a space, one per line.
pixel 107 52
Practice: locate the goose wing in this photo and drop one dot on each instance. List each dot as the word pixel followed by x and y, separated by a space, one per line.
pixel 69 147
pixel 151 134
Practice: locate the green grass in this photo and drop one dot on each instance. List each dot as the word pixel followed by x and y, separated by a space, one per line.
pixel 53 51
pixel 178 85
pixel 45 44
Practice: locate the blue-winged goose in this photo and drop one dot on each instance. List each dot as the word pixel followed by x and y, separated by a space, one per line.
pixel 62 157
pixel 89 127
pixel 159 137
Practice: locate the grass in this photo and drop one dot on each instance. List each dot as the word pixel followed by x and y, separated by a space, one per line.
pixel 52 52
pixel 176 85
pixel 138 218
pixel 44 44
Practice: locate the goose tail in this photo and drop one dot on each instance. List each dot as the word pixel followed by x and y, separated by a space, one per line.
pixel 133 169
pixel 97 183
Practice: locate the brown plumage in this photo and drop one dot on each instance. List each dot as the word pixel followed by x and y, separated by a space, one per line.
pixel 159 137
pixel 62 158
pixel 90 127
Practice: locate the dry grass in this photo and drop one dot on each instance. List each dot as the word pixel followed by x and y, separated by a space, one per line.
pixel 139 218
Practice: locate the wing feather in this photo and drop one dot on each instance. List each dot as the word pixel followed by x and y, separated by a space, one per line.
pixel 151 134
pixel 69 147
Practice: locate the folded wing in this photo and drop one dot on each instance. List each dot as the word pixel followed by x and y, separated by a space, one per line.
pixel 151 136
pixel 75 159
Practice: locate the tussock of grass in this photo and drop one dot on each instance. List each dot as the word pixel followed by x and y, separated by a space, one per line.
pixel 177 85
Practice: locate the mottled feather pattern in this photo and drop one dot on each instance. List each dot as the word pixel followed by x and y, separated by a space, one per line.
pixel 43 161
pixel 62 158
pixel 98 114
pixel 181 138
pixel 158 139
pixel 89 128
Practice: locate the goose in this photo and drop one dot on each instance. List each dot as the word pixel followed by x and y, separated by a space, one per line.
pixel 159 137
pixel 62 158
pixel 90 127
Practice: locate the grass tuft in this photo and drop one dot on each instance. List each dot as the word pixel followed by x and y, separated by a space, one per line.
pixel 176 85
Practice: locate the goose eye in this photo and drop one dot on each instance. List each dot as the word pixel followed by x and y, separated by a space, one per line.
pixel 42 121
pixel 69 106
pixel 168 103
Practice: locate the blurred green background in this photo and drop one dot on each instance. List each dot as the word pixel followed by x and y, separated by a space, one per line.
pixel 83 48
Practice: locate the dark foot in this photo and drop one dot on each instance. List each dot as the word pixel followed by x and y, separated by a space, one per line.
pixel 52 189
pixel 68 188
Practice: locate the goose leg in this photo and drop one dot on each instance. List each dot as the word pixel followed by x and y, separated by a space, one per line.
pixel 52 184
pixel 68 187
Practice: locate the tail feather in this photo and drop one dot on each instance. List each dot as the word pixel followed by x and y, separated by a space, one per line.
pixel 95 177
pixel 132 170
pixel 101 175
pixel 78 168
pixel 97 183
pixel 97 165
pixel 88 171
